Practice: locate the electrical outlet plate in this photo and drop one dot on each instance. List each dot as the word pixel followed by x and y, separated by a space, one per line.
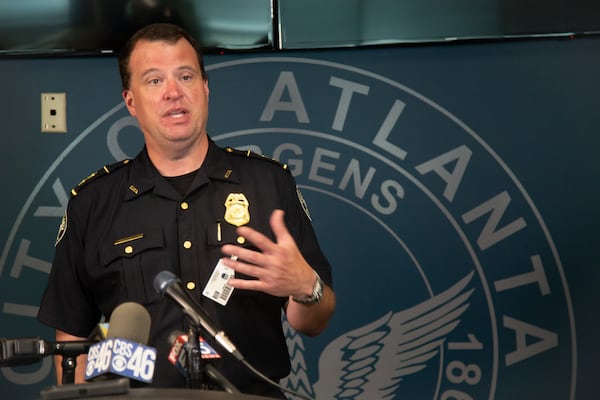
pixel 54 112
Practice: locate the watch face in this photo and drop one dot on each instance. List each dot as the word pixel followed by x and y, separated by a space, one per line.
pixel 318 290
pixel 317 293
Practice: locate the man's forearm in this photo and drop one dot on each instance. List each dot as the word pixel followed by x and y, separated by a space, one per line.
pixel 312 319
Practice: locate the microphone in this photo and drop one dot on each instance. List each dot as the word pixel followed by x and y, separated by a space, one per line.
pixel 25 351
pixel 182 355
pixel 168 285
pixel 178 354
pixel 124 352
pixel 130 321
pixel 180 348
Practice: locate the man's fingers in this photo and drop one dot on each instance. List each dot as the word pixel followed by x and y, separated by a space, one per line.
pixel 277 222
pixel 244 267
pixel 249 256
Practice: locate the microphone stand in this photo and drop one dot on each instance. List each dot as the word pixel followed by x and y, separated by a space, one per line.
pixel 203 375
pixel 194 359
pixel 68 364
pixel 69 355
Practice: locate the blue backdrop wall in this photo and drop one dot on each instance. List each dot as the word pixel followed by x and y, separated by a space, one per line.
pixel 454 188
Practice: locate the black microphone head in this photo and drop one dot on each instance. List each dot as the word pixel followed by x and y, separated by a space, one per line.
pixel 168 285
pixel 130 321
pixel 163 280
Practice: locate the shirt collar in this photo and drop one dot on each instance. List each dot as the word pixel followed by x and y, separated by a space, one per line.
pixel 145 177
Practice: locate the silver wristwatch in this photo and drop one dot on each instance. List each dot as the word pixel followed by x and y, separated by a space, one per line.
pixel 317 293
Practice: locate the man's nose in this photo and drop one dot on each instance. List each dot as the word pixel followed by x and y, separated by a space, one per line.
pixel 172 89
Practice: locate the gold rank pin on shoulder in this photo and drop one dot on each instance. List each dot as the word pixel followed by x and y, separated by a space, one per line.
pixel 107 169
pixel 250 154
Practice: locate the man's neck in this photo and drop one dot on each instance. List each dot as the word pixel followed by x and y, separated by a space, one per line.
pixel 176 162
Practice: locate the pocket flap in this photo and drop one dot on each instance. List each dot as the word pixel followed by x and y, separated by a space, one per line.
pixel 131 245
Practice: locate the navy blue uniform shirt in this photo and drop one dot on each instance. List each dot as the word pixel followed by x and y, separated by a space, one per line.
pixel 128 223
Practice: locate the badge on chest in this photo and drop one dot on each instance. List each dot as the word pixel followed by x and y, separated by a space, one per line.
pixel 237 209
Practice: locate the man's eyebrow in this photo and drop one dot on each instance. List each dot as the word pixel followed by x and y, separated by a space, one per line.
pixel 150 71
pixel 188 68
pixel 182 68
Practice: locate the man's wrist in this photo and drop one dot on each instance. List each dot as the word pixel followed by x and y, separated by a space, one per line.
pixel 315 296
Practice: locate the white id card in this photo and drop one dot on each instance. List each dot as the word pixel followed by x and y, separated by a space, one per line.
pixel 217 288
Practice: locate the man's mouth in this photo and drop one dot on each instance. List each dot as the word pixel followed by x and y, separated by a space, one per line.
pixel 176 114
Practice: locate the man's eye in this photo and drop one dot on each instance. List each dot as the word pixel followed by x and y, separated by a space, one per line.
pixel 154 81
pixel 187 77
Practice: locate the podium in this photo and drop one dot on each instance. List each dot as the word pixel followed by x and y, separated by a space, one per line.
pixel 119 389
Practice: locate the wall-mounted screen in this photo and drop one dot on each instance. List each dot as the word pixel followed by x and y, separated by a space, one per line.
pixel 101 26
pixel 338 23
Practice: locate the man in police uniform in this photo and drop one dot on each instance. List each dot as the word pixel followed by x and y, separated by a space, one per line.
pixel 184 204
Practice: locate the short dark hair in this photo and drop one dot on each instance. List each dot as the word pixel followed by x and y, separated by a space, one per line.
pixel 166 32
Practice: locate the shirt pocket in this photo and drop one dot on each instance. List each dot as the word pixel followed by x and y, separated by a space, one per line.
pixel 138 258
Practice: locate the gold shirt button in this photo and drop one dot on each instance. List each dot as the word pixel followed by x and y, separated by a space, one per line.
pixel 187 244
pixel 129 249
pixel 184 205
pixel 241 239
pixel 190 285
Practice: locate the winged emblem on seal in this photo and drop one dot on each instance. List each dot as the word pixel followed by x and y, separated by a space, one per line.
pixel 374 359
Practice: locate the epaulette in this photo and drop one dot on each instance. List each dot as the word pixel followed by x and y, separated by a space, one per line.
pixel 107 169
pixel 250 154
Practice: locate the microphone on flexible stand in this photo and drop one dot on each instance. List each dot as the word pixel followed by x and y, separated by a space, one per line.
pixel 167 284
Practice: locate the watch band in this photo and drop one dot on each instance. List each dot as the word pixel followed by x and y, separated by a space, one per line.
pixel 317 293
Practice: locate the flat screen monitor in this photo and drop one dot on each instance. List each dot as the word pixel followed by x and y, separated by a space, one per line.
pixel 62 27
pixel 340 23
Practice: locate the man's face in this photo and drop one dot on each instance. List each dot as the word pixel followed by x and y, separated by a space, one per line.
pixel 167 94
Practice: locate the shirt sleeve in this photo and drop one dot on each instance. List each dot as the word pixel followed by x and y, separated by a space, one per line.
pixel 66 304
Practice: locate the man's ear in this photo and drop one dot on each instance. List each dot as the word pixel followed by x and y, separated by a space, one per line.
pixel 129 101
